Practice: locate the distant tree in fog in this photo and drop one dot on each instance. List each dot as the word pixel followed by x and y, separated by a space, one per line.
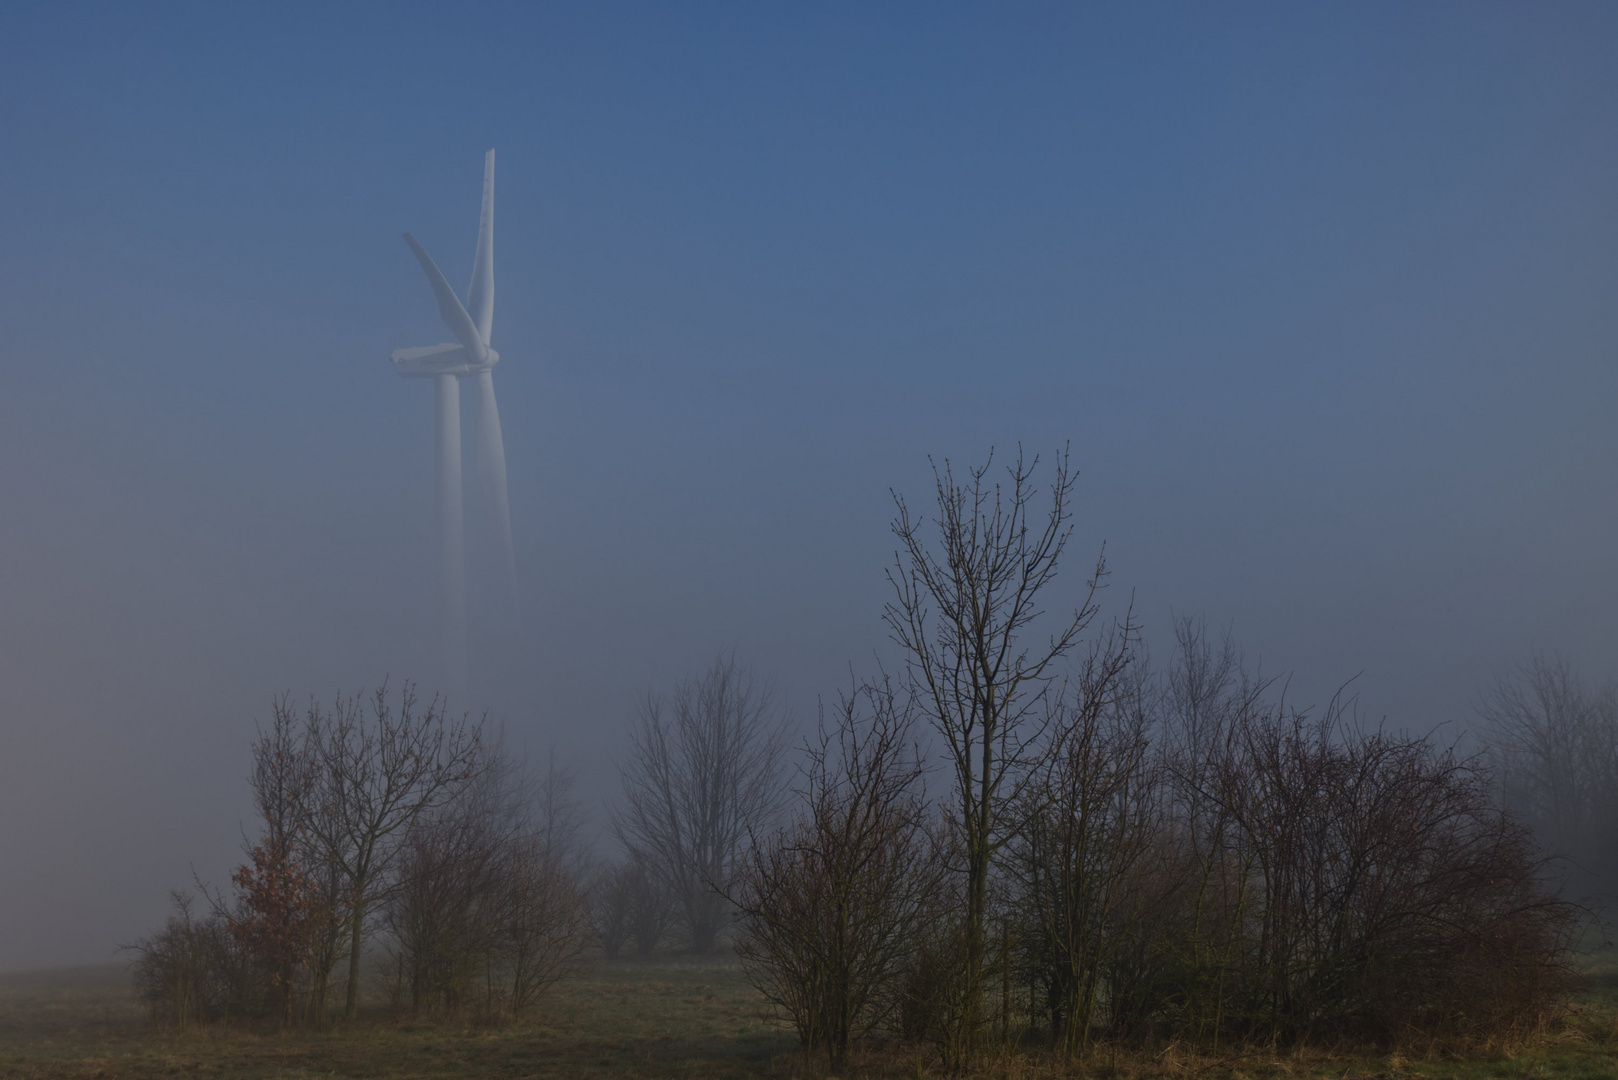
pixel 486 902
pixel 1555 742
pixel 703 773
pixel 545 924
pixel 628 904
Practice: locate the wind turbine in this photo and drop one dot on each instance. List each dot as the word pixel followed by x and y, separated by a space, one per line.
pixel 447 364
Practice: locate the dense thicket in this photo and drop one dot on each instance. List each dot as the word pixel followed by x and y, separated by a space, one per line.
pixel 1174 853
pixel 1208 865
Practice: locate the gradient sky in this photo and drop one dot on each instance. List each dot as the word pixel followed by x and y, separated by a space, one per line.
pixel 1322 297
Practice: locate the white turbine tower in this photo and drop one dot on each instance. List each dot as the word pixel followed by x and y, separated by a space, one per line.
pixel 446 365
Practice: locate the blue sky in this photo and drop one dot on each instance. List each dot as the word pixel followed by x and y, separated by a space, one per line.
pixel 1321 296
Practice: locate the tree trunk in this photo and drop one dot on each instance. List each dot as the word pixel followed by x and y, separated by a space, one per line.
pixel 977 895
pixel 352 1004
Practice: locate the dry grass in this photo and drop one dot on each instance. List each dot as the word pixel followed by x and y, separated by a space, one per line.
pixel 675 1017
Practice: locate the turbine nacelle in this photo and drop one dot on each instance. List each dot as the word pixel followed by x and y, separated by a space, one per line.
pixel 426 361
pixel 473 354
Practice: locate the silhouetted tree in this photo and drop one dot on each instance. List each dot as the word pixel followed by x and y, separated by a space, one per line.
pixel 376 777
pixel 967 593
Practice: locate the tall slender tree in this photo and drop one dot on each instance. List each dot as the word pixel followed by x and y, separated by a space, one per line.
pixel 966 600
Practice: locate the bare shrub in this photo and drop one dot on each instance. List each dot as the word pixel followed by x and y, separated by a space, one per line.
pixel 401 817
pixel 1207 699
pixel 192 971
pixel 1363 885
pixel 1388 884
pixel 936 1001
pixel 609 909
pixel 831 906
pixel 652 913
pixel 543 932
pixel 1207 863
pixel 444 909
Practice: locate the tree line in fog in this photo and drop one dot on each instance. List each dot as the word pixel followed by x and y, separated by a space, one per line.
pixel 1026 831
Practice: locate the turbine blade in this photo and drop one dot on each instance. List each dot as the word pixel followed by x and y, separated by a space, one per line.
pixel 480 294
pixel 449 306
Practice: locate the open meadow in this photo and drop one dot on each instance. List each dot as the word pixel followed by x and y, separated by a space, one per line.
pixel 671 1016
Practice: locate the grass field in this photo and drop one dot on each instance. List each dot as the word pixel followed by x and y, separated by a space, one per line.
pixel 667 1017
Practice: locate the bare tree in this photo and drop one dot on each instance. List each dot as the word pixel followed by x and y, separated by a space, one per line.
pixel 831 907
pixel 702 774
pixel 283 911
pixel 377 776
pixel 965 603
